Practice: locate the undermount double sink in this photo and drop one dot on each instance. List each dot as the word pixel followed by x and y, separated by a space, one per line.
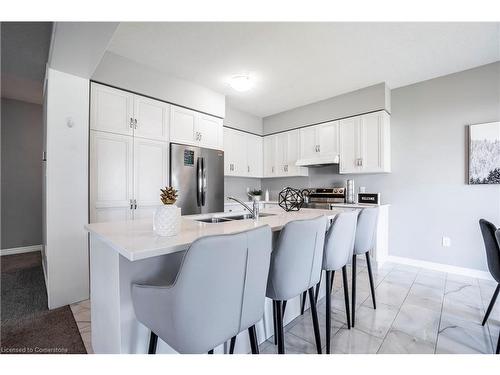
pixel 223 219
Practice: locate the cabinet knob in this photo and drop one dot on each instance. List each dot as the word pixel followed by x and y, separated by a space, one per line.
pixel 131 123
pixel 135 123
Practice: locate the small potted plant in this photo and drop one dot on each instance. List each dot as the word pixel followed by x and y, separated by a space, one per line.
pixel 167 218
pixel 255 194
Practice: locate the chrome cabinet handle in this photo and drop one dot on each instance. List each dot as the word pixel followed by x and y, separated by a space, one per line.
pixel 135 204
pixel 319 148
pixel 135 123
pixel 131 123
pixel 131 204
pixel 272 169
pixel 248 168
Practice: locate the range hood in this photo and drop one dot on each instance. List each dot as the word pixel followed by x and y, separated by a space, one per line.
pixel 318 161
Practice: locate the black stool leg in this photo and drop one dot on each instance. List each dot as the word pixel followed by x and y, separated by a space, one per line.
pixel 284 308
pixel 279 324
pixel 328 310
pixel 303 303
pixel 211 351
pixel 498 344
pixel 274 324
pixel 492 303
pixel 252 333
pixel 153 342
pixel 370 276
pixel 314 315
pixel 346 296
pixel 232 344
pixel 353 269
pixel 316 295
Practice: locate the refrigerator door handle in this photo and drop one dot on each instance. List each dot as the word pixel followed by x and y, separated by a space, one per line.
pixel 199 177
pixel 204 181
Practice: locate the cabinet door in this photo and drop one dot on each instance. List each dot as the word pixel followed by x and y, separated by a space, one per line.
pixel 150 175
pixel 350 145
pixel 210 132
pixel 308 149
pixel 239 152
pixel 111 110
pixel 228 152
pixel 254 158
pixel 374 143
pixel 111 184
pixel 281 154
pixel 151 118
pixel 270 156
pixel 183 126
pixel 292 154
pixel 328 141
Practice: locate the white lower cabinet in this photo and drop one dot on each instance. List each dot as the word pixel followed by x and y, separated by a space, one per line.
pixel 126 174
pixel 243 154
pixel 365 144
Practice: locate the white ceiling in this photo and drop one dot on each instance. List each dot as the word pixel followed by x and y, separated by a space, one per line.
pixel 300 63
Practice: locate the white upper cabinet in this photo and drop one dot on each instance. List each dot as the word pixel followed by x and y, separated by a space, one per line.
pixel 319 144
pixel 151 118
pixel 270 156
pixel 255 155
pixel 243 154
pixel 112 110
pixel 365 144
pixel 120 112
pixel 280 155
pixel 196 129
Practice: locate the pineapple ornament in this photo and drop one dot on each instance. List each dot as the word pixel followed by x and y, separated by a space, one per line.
pixel 167 218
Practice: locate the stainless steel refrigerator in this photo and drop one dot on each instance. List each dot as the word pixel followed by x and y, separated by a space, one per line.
pixel 198 175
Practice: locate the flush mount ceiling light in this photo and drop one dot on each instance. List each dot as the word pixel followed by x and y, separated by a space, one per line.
pixel 241 83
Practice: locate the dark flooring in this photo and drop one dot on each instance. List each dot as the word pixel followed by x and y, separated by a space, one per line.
pixel 27 325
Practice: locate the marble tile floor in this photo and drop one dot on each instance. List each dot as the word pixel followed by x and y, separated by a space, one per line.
pixel 418 312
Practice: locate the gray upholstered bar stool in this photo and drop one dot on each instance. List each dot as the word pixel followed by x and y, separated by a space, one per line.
pixel 339 244
pixel 296 267
pixel 366 234
pixel 491 238
pixel 218 292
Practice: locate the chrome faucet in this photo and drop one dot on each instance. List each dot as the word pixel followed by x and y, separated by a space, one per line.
pixel 254 210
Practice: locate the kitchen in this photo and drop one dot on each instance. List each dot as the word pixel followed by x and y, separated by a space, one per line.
pixel 243 161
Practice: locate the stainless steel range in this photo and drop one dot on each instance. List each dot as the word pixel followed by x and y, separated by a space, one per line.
pixel 322 198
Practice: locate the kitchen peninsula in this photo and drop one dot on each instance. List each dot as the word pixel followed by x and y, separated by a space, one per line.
pixel 122 253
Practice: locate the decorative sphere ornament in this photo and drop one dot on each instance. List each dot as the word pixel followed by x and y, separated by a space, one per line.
pixel 290 199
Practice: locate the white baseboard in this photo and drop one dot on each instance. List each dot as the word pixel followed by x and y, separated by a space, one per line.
pixel 20 250
pixel 470 272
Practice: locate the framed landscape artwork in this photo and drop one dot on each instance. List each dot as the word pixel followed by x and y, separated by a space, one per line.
pixel 484 153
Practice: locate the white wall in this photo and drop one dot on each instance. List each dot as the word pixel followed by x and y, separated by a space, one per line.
pixel 124 73
pixel 427 188
pixel 372 98
pixel 237 119
pixel 66 245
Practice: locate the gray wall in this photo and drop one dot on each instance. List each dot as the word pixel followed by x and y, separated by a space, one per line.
pixel 124 73
pixel 369 99
pixel 427 188
pixel 22 133
pixel 241 120
pixel 237 187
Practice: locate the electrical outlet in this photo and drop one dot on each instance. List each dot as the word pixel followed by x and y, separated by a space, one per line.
pixel 446 241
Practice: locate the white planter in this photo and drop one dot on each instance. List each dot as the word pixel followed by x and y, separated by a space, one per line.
pixel 167 220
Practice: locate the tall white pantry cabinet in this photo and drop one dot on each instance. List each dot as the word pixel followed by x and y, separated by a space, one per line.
pixel 129 148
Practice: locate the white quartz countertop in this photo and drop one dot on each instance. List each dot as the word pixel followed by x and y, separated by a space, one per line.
pixel 136 240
